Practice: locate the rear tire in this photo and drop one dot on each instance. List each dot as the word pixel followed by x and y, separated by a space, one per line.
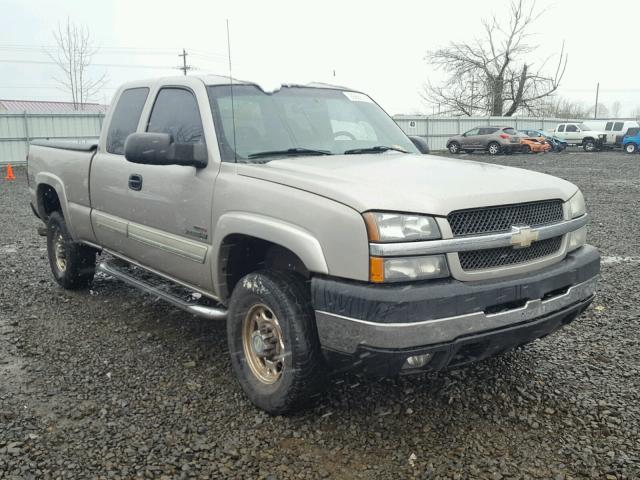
pixel 73 265
pixel 454 147
pixel 630 148
pixel 273 341
pixel 493 148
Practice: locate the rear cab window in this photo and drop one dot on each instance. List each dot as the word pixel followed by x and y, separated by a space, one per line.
pixel 608 126
pixel 617 127
pixel 125 118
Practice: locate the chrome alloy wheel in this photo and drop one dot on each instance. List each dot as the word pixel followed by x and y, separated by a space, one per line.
pixel 263 344
pixel 60 252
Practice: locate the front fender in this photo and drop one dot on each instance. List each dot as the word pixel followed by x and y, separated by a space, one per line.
pixel 295 238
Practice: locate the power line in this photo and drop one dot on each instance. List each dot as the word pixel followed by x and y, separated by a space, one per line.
pixel 116 65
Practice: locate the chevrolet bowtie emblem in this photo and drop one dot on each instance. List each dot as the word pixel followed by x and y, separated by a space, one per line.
pixel 522 237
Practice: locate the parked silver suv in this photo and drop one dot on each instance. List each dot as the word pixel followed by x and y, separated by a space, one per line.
pixel 494 140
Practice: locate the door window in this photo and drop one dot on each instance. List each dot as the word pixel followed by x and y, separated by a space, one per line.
pixel 608 126
pixel 560 128
pixel 471 132
pixel 175 112
pixel 572 128
pixel 617 127
pixel 125 118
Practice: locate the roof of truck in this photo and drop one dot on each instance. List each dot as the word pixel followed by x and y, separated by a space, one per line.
pixel 211 79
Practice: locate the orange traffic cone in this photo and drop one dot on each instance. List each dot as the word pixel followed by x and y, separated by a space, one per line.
pixel 10 175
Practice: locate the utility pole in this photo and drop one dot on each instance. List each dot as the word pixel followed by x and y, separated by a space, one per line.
pixel 595 112
pixel 184 66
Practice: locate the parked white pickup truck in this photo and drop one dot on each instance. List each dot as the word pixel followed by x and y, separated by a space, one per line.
pixel 316 228
pixel 581 134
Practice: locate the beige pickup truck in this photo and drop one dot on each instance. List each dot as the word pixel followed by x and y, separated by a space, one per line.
pixel 310 223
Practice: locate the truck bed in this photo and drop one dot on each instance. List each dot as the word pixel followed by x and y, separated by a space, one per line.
pixel 63 166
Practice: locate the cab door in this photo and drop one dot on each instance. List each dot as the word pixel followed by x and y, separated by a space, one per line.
pixel 573 134
pixel 160 215
pixel 560 133
pixel 608 128
pixel 617 130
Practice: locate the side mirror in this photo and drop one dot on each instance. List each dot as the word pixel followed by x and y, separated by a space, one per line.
pixel 421 144
pixel 160 149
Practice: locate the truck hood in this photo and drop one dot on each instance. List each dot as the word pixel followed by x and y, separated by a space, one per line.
pixel 410 183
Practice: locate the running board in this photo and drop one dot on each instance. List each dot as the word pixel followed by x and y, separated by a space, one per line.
pixel 210 313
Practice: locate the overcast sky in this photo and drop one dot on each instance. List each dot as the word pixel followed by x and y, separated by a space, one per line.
pixel 377 47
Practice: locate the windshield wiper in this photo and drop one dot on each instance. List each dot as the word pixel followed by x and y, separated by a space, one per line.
pixel 290 152
pixel 376 149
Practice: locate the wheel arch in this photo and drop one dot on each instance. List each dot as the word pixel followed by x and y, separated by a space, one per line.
pixel 246 242
pixel 50 195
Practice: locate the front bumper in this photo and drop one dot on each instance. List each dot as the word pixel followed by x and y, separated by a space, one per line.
pixel 378 326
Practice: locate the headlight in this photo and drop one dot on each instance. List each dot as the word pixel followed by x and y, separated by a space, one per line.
pixel 577 206
pixel 399 269
pixel 577 238
pixel 397 227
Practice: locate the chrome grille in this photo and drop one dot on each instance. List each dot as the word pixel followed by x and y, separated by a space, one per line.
pixel 478 221
pixel 497 257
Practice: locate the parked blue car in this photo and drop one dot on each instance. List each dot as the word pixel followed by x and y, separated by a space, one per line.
pixel 631 141
pixel 557 144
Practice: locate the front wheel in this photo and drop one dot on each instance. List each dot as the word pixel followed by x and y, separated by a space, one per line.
pixel 526 149
pixel 631 148
pixel 589 145
pixel 493 148
pixel 73 265
pixel 454 147
pixel 273 341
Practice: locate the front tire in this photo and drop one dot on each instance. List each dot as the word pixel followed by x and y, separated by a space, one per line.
pixel 454 147
pixel 526 149
pixel 73 265
pixel 273 342
pixel 493 148
pixel 631 148
pixel 589 145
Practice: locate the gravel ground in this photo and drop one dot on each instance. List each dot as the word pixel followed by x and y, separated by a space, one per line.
pixel 107 383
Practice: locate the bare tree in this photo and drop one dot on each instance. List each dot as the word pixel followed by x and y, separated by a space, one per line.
pixel 615 109
pixel 603 111
pixel 558 107
pixel 636 113
pixel 74 54
pixel 495 74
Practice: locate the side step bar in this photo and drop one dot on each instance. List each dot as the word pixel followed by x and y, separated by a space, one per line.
pixel 210 313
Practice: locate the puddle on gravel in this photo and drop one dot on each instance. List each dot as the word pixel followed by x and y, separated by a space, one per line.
pixel 11 365
pixel 611 260
pixel 8 249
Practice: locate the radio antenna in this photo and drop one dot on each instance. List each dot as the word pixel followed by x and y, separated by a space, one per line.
pixel 233 108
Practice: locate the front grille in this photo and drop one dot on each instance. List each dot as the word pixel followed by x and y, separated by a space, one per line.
pixel 478 221
pixel 498 257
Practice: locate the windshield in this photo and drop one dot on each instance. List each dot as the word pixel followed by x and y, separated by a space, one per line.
pixel 297 120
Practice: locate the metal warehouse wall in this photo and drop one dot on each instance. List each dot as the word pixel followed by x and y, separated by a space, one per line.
pixel 438 129
pixel 18 129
